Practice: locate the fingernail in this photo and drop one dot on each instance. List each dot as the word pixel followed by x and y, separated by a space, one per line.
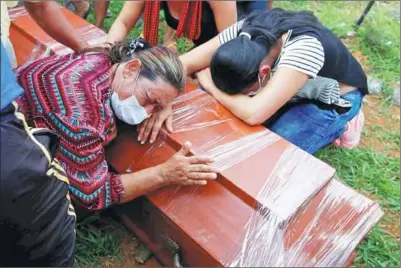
pixel 142 142
pixel 215 176
pixel 151 141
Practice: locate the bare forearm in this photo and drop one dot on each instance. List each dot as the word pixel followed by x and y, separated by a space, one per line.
pixel 127 19
pixel 240 105
pixel 200 57
pixel 225 13
pixel 50 18
pixel 117 32
pixel 141 182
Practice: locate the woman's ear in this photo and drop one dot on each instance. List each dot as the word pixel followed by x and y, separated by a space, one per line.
pixel 264 70
pixel 131 67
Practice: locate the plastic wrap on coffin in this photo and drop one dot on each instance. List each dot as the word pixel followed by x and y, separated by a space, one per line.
pixel 213 226
pixel 267 190
pixel 289 175
pixel 241 214
pixel 323 233
pixel 31 42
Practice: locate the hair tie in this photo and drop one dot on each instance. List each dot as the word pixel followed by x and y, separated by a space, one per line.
pixel 133 45
pixel 245 34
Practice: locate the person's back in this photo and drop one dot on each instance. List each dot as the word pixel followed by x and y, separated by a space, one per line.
pixel 37 219
pixel 70 95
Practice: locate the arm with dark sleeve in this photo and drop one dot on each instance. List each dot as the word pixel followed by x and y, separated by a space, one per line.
pixel 37 219
pixel 51 19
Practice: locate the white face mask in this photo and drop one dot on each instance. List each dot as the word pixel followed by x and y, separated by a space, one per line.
pixel 253 93
pixel 128 110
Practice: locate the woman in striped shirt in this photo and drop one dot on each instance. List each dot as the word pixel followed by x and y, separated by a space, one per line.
pixel 294 75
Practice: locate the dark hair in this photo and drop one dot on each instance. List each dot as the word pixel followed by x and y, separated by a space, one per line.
pixel 235 64
pixel 157 61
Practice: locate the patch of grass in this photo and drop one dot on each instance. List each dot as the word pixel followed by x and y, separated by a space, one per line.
pixel 378 175
pixel 364 169
pixel 96 240
pixel 380 40
pixel 379 249
pixel 391 136
pixel 331 13
pixel 378 37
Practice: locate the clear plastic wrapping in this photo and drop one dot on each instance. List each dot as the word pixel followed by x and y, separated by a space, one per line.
pixel 323 233
pixel 89 33
pixel 17 12
pixel 185 118
pixel 229 154
pixel 31 43
pixel 272 204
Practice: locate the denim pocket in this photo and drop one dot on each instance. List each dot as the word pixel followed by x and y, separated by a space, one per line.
pixel 319 117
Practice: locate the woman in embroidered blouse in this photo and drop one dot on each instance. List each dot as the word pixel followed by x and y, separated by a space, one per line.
pixel 77 97
pixel 294 75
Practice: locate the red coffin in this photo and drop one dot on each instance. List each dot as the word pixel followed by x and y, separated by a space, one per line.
pixel 271 205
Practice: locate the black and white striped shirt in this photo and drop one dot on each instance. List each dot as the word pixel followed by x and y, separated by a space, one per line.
pixel 305 54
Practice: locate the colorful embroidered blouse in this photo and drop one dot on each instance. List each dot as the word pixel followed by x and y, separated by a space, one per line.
pixel 70 95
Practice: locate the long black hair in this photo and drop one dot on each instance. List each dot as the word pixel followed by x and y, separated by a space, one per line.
pixel 235 64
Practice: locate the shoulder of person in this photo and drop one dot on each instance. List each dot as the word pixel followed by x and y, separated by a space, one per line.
pixel 303 53
pixel 304 41
pixel 231 32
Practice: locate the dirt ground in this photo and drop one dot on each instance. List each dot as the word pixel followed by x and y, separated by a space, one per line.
pixel 373 118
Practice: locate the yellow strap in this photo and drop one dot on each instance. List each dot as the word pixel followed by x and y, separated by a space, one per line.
pixel 172 44
pixel 29 131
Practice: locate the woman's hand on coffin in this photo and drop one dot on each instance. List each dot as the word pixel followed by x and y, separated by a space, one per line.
pixel 187 170
pixel 149 129
pixel 205 80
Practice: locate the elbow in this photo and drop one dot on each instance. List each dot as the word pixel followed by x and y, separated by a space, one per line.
pixel 257 117
pixel 252 121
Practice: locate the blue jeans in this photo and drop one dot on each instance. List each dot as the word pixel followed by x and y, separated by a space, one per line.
pixel 311 127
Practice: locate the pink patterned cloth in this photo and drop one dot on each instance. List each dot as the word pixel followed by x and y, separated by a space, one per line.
pixel 352 135
pixel 70 95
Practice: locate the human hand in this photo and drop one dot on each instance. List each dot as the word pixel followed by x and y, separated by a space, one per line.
pixel 150 127
pixel 187 170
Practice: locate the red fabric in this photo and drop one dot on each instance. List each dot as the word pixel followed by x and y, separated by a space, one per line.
pixel 189 22
pixel 70 95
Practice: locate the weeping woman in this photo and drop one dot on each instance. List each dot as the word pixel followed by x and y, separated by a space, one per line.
pixel 78 96
pixel 284 70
